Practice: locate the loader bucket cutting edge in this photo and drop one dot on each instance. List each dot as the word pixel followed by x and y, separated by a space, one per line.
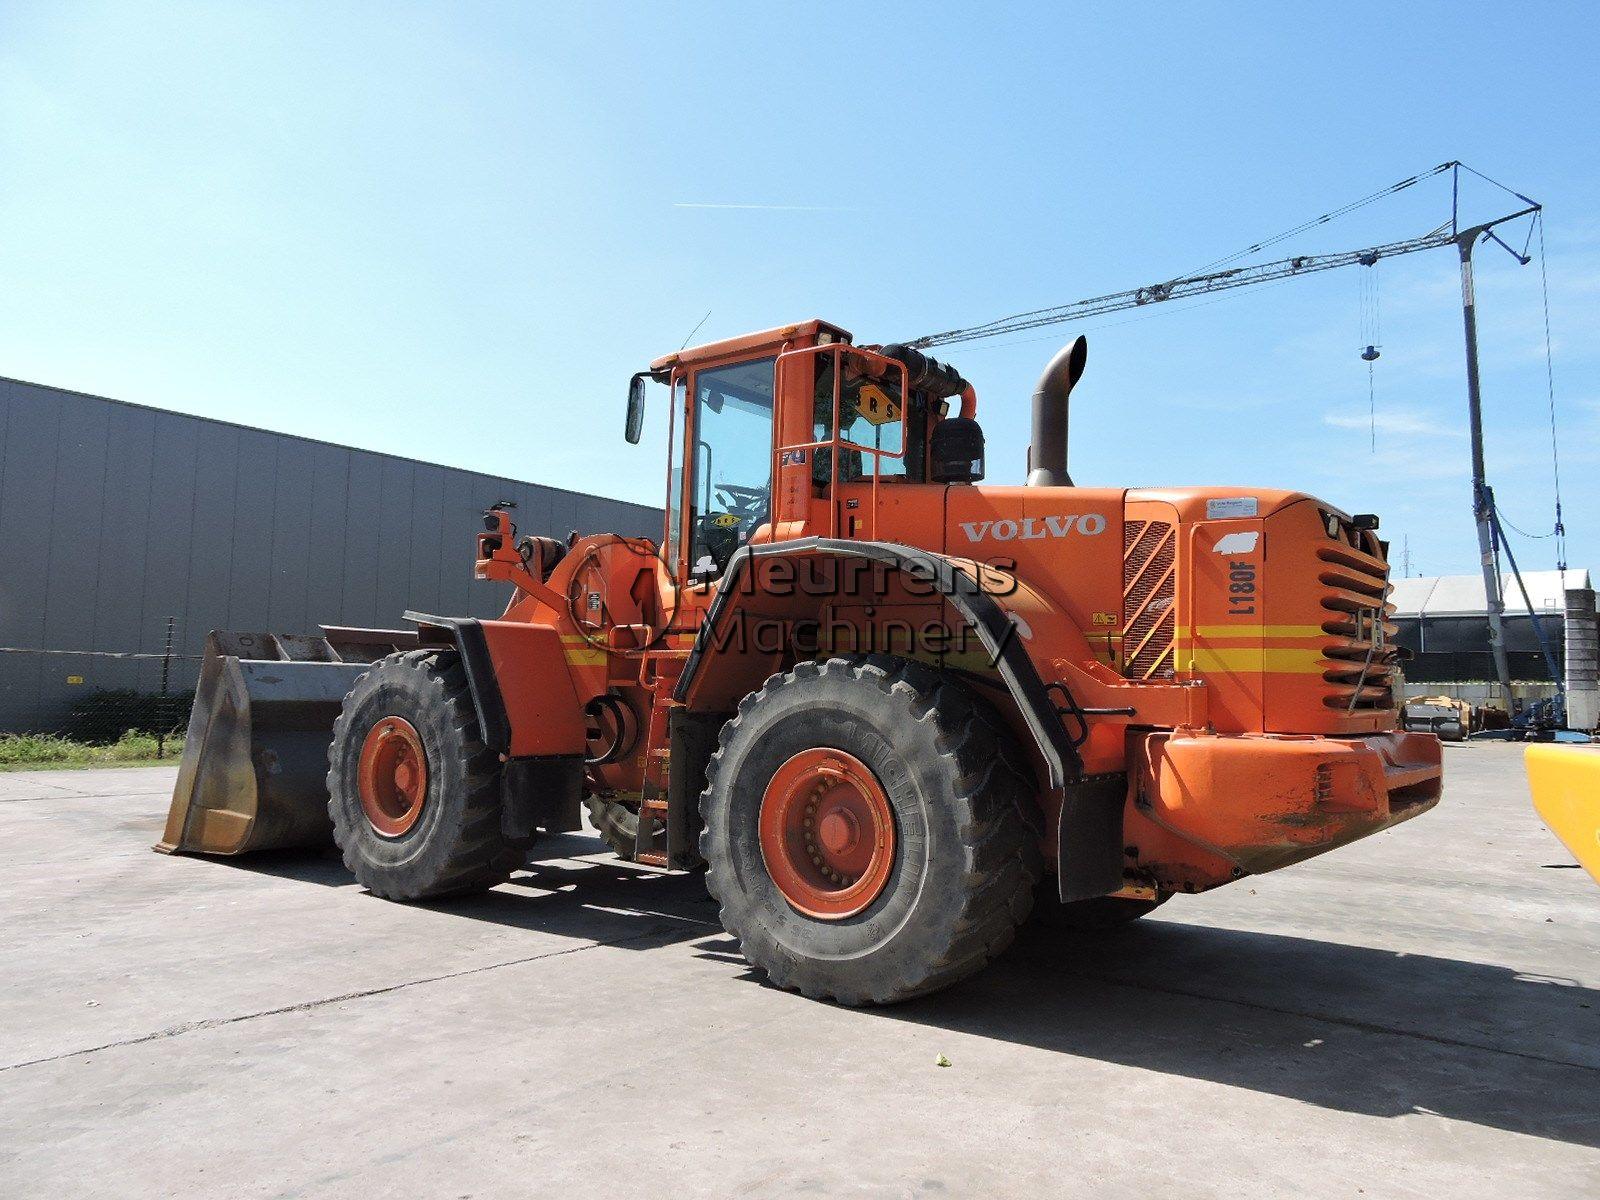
pixel 255 757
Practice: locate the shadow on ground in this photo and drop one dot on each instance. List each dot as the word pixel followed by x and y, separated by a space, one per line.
pixel 1341 1027
pixel 1347 1028
pixel 561 893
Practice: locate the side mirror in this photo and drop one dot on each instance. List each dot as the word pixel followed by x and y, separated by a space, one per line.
pixel 635 425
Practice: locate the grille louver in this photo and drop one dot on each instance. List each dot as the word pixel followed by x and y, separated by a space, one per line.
pixel 1355 596
pixel 1149 549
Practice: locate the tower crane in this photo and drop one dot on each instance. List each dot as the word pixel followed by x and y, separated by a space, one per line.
pixel 1450 233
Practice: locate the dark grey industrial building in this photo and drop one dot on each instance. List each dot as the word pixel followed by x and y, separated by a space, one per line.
pixel 115 517
pixel 1444 621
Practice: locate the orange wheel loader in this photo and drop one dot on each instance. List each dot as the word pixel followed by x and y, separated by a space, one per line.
pixel 874 699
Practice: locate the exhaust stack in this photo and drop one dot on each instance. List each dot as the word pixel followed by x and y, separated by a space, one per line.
pixel 1047 453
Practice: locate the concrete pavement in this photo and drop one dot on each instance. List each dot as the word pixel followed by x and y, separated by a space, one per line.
pixel 1415 1015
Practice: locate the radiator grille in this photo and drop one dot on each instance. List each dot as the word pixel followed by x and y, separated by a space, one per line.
pixel 1148 553
pixel 1355 581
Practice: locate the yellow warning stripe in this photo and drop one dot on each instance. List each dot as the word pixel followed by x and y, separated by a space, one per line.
pixel 581 652
pixel 1271 660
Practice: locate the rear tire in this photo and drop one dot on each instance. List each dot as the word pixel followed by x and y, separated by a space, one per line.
pixel 963 863
pixel 616 823
pixel 454 843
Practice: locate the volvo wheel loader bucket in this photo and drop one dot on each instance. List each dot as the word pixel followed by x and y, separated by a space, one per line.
pixel 255 758
pixel 1565 782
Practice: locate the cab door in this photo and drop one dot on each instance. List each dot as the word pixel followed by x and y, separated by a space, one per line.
pixel 727 493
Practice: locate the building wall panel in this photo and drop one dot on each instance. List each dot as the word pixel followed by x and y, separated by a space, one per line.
pixel 114 517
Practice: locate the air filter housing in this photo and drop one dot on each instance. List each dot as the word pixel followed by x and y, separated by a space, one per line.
pixel 955 451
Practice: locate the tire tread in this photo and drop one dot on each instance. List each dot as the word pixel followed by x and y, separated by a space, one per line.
pixel 999 861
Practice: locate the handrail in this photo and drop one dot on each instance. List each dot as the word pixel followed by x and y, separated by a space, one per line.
pixel 834 443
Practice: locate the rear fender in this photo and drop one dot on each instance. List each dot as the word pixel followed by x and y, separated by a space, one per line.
pixel 1087 810
pixel 714 679
pixel 710 680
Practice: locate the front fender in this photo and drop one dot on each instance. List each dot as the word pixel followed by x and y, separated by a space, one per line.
pixel 521 684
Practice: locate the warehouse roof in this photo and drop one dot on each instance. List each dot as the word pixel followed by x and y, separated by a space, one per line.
pixel 1463 595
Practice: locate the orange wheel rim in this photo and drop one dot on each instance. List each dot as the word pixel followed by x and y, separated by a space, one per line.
pixel 392 776
pixel 827 833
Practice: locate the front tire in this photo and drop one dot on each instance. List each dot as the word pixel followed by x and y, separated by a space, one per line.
pixel 928 866
pixel 414 794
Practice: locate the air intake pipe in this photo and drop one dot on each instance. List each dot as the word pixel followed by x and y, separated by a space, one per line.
pixel 1047 453
pixel 927 374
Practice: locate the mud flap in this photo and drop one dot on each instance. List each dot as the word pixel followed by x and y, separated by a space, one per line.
pixel 541 793
pixel 693 740
pixel 1089 837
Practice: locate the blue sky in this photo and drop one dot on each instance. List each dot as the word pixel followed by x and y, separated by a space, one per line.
pixel 452 231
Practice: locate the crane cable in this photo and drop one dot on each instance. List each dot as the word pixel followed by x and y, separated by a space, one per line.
pixel 1371 343
pixel 1334 214
pixel 1560 530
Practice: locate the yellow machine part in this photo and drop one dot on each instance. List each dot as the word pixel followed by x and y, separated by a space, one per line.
pixel 1565 781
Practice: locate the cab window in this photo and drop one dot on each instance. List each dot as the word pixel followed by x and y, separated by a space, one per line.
pixel 731 463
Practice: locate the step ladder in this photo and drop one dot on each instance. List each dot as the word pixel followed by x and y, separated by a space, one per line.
pixel 652 844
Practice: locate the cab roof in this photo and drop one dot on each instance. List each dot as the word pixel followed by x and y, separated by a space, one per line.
pixel 804 330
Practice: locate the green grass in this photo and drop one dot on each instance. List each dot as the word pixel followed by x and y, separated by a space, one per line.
pixel 24 751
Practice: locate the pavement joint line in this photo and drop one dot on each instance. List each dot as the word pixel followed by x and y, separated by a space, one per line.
pixel 80 796
pixel 1346 1022
pixel 31 774
pixel 70 862
pixel 307 1005
pixel 71 794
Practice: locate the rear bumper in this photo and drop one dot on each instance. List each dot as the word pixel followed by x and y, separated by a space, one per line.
pixel 1264 801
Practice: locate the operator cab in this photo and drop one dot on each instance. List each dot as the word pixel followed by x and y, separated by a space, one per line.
pixel 829 421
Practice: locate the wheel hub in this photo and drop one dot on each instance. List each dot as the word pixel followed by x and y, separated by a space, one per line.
pixel 392 776
pixel 827 833
pixel 839 832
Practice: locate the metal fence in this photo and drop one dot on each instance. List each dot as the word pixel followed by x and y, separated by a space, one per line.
pixel 100 698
